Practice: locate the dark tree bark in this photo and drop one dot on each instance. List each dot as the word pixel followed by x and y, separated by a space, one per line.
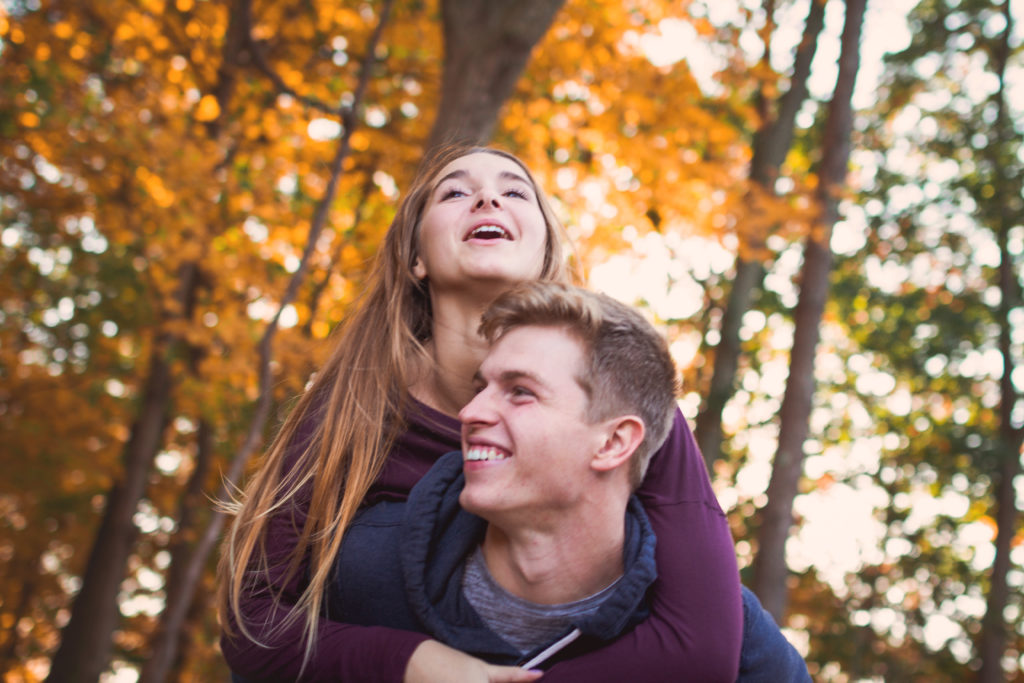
pixel 770 570
pixel 992 640
pixel 164 645
pixel 86 640
pixel 770 147
pixel 486 46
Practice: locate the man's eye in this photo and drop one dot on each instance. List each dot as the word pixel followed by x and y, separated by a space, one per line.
pixel 521 392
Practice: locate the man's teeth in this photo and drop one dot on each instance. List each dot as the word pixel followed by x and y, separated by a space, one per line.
pixel 489 232
pixel 485 453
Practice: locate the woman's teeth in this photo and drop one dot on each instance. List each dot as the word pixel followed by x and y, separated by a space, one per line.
pixel 485 453
pixel 489 232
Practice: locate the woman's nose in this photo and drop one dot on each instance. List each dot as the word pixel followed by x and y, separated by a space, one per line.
pixel 486 199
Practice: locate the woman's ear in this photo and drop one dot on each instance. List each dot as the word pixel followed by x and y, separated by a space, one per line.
pixel 418 269
pixel 622 437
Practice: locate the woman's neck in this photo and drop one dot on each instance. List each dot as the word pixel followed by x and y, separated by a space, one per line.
pixel 455 351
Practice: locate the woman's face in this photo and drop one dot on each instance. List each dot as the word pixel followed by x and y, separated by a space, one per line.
pixel 482 224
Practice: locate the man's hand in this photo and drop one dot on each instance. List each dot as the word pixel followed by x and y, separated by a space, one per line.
pixel 434 662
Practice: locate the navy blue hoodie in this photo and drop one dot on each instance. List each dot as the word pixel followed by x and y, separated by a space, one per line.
pixel 423 544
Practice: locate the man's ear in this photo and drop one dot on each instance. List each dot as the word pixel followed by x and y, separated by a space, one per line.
pixel 622 436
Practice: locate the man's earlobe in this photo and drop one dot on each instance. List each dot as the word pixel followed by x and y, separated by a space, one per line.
pixel 622 437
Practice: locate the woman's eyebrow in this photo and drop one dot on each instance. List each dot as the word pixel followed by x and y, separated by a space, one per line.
pixel 460 173
pixel 509 175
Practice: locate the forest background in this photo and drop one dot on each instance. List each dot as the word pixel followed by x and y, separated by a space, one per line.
pixel 833 242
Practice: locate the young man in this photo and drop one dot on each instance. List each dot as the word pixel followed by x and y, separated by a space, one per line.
pixel 530 538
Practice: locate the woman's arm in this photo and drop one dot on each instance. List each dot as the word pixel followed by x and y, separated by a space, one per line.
pixel 343 652
pixel 696 622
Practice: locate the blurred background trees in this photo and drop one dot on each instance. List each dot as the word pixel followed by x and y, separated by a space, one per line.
pixel 190 191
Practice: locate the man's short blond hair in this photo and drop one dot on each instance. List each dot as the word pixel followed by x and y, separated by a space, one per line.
pixel 627 369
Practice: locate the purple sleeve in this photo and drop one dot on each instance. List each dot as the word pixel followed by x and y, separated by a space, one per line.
pixel 696 623
pixel 343 652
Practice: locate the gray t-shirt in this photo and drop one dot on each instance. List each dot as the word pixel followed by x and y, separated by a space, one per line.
pixel 525 625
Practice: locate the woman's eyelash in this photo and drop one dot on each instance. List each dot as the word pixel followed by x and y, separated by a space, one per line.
pixel 511 192
pixel 451 192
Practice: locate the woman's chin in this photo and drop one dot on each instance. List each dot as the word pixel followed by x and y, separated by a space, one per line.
pixel 485 282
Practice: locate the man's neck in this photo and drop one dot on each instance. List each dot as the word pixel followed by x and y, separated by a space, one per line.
pixel 578 558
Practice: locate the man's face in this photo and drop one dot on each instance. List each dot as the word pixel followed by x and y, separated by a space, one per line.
pixel 526 444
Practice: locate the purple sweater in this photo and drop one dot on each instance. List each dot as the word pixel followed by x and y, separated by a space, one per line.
pixel 696 622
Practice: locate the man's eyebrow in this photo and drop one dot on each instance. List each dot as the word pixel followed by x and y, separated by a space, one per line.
pixel 507 376
pixel 513 375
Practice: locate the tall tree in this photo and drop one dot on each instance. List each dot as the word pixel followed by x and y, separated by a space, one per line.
pixel 86 641
pixel 1002 173
pixel 770 570
pixel 771 144
pixel 486 46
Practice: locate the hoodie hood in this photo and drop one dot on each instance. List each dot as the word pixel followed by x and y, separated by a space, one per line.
pixel 436 538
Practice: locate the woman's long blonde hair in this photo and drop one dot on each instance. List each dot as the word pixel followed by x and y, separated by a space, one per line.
pixel 349 417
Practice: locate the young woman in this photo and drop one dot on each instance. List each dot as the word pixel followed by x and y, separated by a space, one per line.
pixel 473 224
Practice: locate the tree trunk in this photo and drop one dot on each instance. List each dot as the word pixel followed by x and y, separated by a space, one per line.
pixel 164 644
pixel 86 640
pixel 770 571
pixel 486 47
pixel 770 147
pixel 992 641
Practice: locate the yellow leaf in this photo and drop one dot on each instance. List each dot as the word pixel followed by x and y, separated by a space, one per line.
pixel 360 141
pixel 155 187
pixel 208 108
pixel 320 329
pixel 62 29
pixel 123 32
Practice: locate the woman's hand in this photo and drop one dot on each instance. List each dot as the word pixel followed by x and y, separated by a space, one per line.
pixel 434 662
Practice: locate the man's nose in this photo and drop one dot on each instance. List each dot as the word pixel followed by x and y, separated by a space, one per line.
pixel 478 410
